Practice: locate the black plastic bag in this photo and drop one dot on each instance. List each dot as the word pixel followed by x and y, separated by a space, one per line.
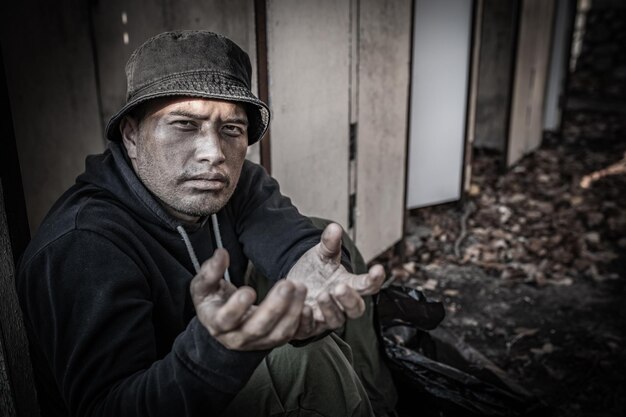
pixel 436 373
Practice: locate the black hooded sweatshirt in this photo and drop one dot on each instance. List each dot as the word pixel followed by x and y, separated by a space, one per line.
pixel 104 287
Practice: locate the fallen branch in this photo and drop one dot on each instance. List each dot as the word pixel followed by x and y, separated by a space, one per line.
pixel 469 209
pixel 614 169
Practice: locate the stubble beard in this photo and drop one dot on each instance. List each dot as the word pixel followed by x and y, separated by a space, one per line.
pixel 172 193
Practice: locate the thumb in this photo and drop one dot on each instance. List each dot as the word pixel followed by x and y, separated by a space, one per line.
pixel 208 279
pixel 330 245
pixel 369 283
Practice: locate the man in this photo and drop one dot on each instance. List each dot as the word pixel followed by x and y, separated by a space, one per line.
pixel 133 288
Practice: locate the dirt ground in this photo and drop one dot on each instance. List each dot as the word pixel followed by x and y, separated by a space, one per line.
pixel 531 267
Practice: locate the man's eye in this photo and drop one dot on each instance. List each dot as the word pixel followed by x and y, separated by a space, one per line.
pixel 184 124
pixel 233 130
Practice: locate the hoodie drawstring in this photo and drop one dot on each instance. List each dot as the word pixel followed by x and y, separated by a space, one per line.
pixel 192 253
pixel 218 240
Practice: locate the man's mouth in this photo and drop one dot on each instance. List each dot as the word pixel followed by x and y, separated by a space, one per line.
pixel 208 182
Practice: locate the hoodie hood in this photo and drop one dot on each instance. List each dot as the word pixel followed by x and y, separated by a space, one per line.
pixel 112 172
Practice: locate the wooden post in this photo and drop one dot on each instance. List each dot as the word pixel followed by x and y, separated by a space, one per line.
pixel 260 18
pixel 498 40
pixel 384 51
pixel 17 391
pixel 472 97
pixel 531 71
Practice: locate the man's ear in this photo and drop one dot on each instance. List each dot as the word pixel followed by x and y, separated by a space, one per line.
pixel 129 129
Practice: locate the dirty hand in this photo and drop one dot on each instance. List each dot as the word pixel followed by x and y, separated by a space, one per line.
pixel 333 292
pixel 230 316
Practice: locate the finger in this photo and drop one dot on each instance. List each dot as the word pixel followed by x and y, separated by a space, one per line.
pixel 208 279
pixel 306 325
pixel 270 311
pixel 349 300
pixel 370 283
pixel 330 244
pixel 318 328
pixel 287 326
pixel 230 316
pixel 333 316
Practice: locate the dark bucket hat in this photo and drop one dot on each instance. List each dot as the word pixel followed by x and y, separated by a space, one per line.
pixel 193 64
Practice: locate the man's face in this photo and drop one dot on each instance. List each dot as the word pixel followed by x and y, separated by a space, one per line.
pixel 189 152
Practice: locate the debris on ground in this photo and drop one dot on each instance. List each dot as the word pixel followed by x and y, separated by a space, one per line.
pixel 536 224
pixel 531 270
pixel 531 266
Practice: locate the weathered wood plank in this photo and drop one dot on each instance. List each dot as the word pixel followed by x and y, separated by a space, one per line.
pixel 531 72
pixel 472 100
pixel 17 393
pixel 384 51
pixel 14 236
pixel 308 54
pixel 7 406
pixel 559 63
pixel 495 73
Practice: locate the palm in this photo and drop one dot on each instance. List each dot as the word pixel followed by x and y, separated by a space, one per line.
pixel 321 271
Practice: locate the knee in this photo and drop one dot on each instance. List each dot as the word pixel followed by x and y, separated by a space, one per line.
pixel 328 353
pixel 319 376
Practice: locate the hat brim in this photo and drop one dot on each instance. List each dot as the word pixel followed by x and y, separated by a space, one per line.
pixel 198 85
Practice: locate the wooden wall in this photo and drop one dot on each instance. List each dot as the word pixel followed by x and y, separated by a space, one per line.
pixel 52 85
pixel 331 64
pixel 495 73
pixel 531 73
pixel 384 52
pixel 17 390
pixel 309 67
pixel 565 11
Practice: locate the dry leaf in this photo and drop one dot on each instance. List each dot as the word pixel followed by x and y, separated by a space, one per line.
pixel 451 292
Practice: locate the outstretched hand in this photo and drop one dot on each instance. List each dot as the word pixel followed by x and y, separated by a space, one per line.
pixel 333 293
pixel 319 294
pixel 231 317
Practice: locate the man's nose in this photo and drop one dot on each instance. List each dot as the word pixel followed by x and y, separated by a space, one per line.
pixel 209 148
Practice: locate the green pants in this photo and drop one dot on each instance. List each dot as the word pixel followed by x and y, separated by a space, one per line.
pixel 339 375
pixel 312 380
